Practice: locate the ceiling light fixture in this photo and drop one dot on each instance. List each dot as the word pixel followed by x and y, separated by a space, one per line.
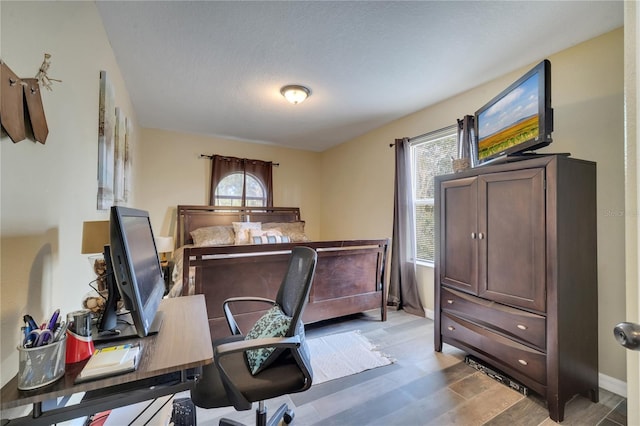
pixel 295 94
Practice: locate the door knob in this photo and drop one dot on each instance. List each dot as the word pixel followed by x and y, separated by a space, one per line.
pixel 628 335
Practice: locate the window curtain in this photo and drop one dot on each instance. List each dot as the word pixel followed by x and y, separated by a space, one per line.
pixel 223 166
pixel 403 284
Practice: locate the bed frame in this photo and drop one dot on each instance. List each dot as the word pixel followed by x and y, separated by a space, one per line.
pixel 350 275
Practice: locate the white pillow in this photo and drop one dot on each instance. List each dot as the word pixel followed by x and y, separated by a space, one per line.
pixel 264 232
pixel 242 230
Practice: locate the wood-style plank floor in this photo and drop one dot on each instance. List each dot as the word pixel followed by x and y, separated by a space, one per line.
pixel 422 387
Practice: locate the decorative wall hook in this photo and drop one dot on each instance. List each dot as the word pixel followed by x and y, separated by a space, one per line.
pixel 12 112
pixel 42 76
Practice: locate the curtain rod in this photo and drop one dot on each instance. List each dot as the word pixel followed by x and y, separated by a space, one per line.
pixel 434 133
pixel 211 156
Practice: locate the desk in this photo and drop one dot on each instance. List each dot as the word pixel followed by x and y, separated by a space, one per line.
pixel 183 343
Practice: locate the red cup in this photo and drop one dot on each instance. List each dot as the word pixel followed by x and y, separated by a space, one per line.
pixel 79 348
pixel 79 340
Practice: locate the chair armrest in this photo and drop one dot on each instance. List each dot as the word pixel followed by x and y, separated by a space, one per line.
pixel 249 299
pixel 245 345
pixel 231 322
pixel 237 398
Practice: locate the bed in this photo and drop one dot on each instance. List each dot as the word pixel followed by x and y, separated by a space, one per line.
pixel 350 275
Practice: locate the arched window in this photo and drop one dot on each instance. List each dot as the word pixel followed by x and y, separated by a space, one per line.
pixel 229 191
pixel 241 182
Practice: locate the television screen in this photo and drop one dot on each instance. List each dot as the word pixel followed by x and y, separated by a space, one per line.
pixel 519 119
pixel 136 267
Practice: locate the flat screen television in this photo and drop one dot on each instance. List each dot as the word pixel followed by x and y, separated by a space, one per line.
pixel 137 272
pixel 518 120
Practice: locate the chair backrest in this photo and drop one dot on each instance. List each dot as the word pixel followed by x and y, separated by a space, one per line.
pixel 293 293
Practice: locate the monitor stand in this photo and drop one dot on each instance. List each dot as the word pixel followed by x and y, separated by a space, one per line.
pixel 125 329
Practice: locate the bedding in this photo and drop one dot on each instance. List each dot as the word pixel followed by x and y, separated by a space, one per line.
pixel 238 233
pixel 350 275
pixel 213 236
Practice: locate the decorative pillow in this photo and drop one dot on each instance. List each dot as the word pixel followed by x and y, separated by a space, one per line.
pixel 293 230
pixel 270 236
pixel 270 239
pixel 213 236
pixel 272 324
pixel 242 231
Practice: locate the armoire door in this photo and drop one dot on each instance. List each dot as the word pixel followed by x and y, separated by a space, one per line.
pixel 511 238
pixel 458 227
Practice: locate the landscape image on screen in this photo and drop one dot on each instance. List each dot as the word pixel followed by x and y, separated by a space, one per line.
pixel 510 121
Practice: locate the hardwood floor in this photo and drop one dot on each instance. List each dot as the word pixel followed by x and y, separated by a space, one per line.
pixel 422 387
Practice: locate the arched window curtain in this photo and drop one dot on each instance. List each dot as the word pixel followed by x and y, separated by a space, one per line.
pixel 403 285
pixel 223 166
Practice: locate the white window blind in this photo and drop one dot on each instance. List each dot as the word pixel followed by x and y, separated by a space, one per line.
pixel 431 155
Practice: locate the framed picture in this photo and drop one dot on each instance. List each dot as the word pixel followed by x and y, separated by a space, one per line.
pixel 114 159
pixel 119 156
pixel 106 143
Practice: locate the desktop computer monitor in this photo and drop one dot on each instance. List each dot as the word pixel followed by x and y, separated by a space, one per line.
pixel 137 272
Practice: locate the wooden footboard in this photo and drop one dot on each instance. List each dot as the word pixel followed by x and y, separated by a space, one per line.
pixel 350 278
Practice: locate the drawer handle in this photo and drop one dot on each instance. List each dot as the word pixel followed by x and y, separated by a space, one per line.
pixel 451 328
pixel 450 301
pixel 522 326
pixel 523 362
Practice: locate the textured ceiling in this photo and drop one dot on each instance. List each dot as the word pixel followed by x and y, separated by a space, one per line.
pixel 216 67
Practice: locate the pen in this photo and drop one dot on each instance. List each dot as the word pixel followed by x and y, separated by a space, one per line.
pixel 54 319
pixel 61 331
pixel 28 319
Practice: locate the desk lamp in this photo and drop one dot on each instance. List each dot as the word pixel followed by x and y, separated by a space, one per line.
pixel 164 245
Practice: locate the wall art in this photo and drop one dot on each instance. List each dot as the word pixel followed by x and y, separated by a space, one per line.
pixel 106 142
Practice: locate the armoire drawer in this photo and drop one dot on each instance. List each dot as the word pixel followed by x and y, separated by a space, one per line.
pixel 501 350
pixel 515 323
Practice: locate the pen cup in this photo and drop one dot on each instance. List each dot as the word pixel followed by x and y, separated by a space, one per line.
pixel 41 365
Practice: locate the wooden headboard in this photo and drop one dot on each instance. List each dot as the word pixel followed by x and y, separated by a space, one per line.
pixel 194 217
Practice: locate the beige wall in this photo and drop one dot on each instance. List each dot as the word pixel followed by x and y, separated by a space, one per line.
pixel 173 173
pixel 587 90
pixel 632 160
pixel 47 191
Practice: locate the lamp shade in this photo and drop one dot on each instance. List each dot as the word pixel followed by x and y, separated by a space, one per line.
pixel 164 244
pixel 295 93
pixel 95 235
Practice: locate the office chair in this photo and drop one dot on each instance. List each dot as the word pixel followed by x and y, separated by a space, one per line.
pixel 236 377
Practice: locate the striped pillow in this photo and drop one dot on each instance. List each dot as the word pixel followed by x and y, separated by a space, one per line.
pixel 270 239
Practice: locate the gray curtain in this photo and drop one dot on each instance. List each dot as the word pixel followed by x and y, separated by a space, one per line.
pixel 403 285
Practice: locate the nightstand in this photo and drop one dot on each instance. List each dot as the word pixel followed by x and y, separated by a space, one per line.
pixel 167 268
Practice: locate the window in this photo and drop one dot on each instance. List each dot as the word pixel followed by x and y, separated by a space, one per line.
pixel 229 191
pixel 431 156
pixel 241 182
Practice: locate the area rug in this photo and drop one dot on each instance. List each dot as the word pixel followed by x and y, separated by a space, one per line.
pixel 343 354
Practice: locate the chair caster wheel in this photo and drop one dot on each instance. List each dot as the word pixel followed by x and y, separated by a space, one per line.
pixel 288 416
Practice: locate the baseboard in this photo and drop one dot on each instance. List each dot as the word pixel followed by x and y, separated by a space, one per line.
pixel 612 385
pixel 429 313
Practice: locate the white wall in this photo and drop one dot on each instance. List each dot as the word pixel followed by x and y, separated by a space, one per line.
pixel 48 191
